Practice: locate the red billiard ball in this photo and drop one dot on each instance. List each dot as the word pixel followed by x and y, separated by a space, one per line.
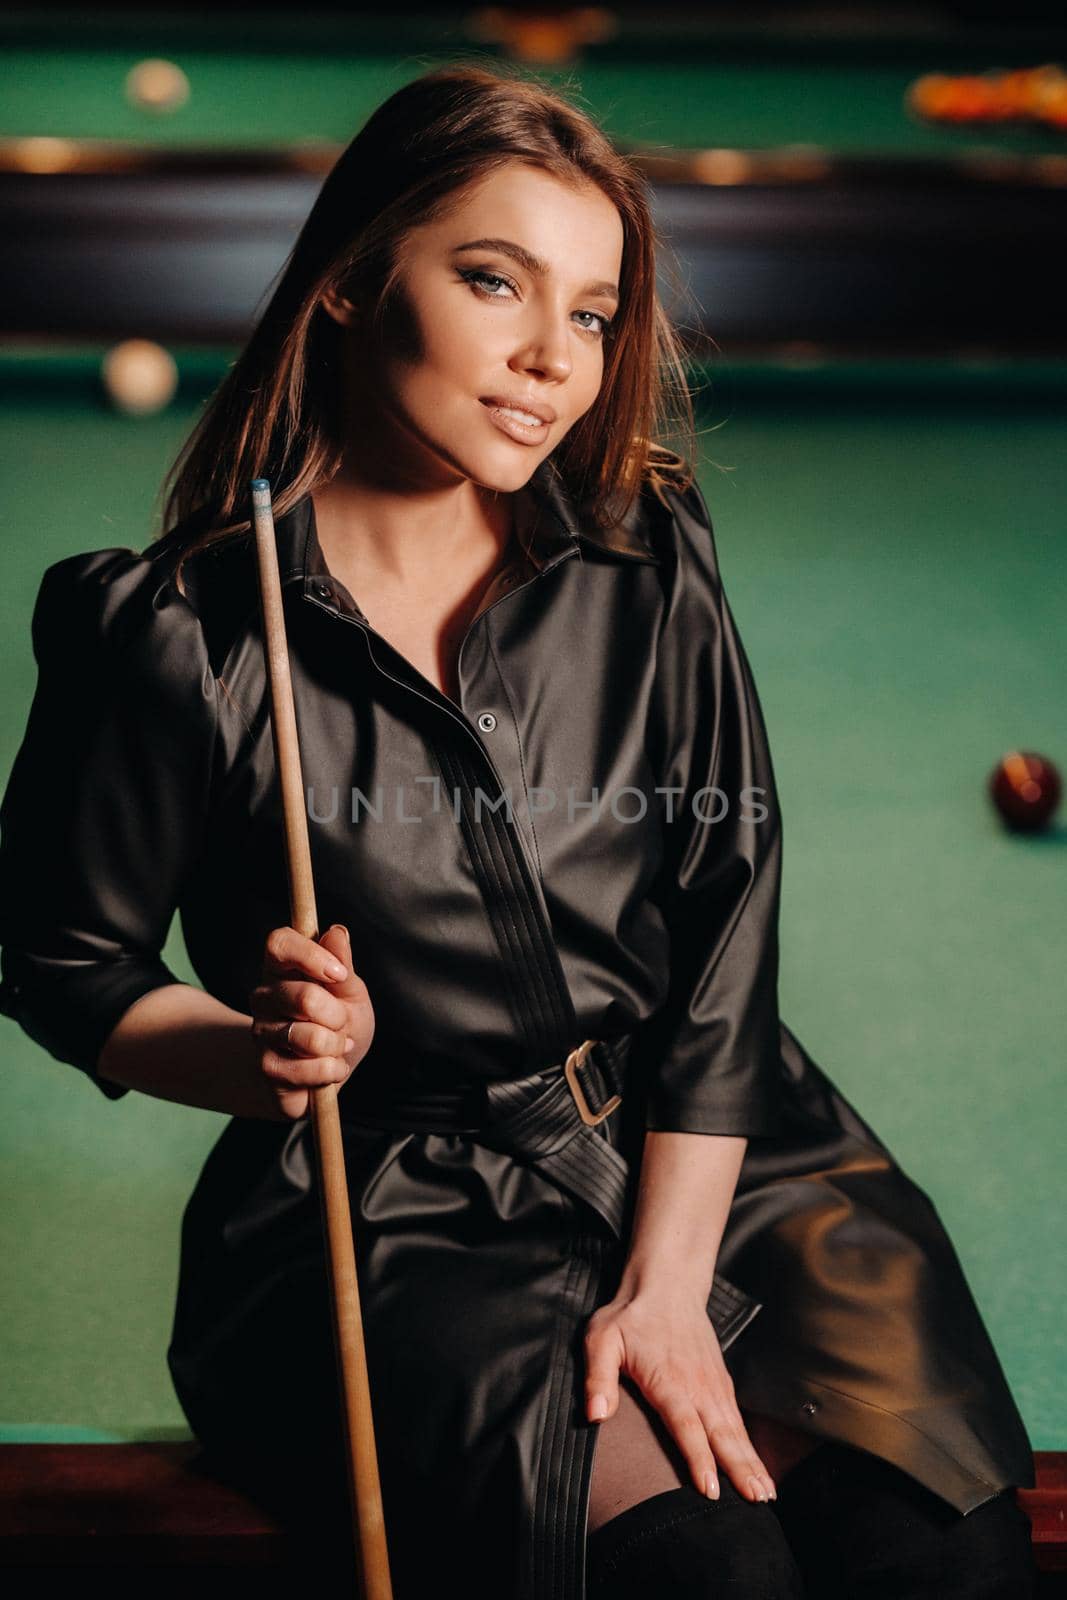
pixel 1026 789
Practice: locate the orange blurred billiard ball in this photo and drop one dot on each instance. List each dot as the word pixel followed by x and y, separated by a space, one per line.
pixel 1025 788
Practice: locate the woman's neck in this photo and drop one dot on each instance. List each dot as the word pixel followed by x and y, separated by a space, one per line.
pixel 411 538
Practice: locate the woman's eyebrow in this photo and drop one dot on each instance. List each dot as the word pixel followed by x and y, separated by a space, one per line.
pixel 532 263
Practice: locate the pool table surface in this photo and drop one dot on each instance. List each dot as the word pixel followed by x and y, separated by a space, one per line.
pixel 278 79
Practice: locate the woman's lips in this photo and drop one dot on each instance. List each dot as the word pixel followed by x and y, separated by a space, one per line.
pixel 510 421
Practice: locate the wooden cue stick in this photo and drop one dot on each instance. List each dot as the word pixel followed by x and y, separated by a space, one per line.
pixel 362 1457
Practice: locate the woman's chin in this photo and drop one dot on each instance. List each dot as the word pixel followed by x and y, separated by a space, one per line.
pixel 493 469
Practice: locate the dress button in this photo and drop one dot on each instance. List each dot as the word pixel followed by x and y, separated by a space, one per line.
pixel 487 722
pixel 323 589
pixel 810 1407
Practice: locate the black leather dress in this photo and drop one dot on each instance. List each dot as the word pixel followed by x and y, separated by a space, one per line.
pixel 586 846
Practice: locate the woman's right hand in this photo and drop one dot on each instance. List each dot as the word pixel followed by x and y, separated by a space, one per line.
pixel 310 984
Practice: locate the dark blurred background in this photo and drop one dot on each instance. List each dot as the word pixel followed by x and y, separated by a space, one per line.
pixel 827 176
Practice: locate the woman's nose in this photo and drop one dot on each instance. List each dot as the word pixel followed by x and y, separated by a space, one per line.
pixel 547 352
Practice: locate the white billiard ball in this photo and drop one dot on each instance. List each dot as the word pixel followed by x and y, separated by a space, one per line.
pixel 156 85
pixel 140 377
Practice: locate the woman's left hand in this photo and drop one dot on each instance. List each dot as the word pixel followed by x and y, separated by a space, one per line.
pixel 669 1349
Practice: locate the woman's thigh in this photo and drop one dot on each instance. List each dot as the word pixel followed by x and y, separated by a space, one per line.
pixel 636 1457
pixel 652 1532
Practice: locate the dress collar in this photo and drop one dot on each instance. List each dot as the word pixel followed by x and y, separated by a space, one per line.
pixel 624 539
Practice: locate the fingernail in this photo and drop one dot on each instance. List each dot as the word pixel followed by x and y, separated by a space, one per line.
pixel 711 1486
pixel 350 1044
pixel 334 969
pixel 598 1407
pixel 757 1488
pixel 342 927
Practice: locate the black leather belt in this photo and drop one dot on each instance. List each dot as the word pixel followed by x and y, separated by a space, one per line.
pixel 550 1118
pixel 554 1119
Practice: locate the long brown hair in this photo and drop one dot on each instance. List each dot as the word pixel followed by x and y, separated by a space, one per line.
pixel 276 413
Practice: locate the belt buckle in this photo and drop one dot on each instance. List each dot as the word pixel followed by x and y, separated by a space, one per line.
pixel 571 1067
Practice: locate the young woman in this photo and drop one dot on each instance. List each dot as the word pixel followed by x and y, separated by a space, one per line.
pixel 713 1335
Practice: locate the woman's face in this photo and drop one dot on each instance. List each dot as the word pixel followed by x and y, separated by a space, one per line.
pixel 518 318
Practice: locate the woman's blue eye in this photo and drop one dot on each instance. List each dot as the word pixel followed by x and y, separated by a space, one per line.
pixel 477 276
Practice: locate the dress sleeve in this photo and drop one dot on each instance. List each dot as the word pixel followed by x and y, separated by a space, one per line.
pixel 106 803
pixel 713 1063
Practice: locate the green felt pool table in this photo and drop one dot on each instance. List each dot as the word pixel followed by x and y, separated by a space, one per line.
pixel 681 77
pixel 893 543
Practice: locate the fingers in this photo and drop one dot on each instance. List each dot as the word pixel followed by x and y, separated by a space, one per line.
pixel 300 1039
pixel 603 1357
pixel 713 1441
pixel 338 946
pixel 728 1443
pixel 328 959
pixel 334 940
pixel 300 1053
pixel 288 954
pixel 305 1013
pixel 305 1002
pixel 304 1072
pixel 691 1436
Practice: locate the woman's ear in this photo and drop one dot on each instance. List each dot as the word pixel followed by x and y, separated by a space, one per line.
pixel 339 307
